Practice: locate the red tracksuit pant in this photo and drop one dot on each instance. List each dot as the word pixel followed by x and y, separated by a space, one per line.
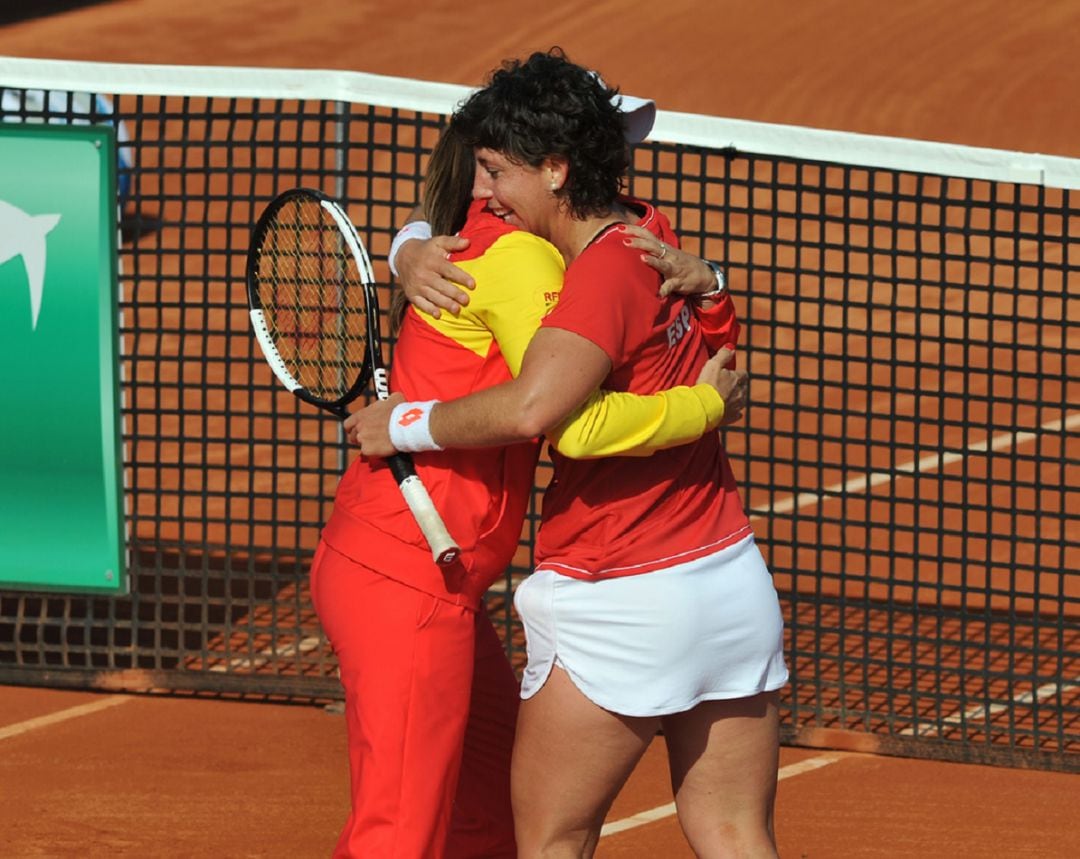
pixel 430 706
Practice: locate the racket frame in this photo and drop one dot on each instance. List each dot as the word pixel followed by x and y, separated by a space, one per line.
pixel 444 548
pixel 258 320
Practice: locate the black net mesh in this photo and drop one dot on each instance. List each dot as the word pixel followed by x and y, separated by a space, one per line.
pixel 910 459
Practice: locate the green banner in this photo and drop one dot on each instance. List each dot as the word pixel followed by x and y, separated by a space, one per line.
pixel 61 490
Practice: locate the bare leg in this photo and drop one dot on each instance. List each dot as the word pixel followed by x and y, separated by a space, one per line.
pixel 571 757
pixel 724 757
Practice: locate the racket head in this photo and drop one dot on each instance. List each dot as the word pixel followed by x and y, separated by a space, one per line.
pixel 312 299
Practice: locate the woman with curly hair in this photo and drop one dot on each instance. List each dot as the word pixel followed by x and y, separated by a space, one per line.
pixel 431 699
pixel 651 606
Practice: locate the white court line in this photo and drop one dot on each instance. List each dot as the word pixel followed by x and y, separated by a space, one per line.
pixel 1047 690
pixel 62 716
pixel 931 462
pixel 668 810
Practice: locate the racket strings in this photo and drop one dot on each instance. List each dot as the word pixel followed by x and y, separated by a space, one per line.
pixel 312 296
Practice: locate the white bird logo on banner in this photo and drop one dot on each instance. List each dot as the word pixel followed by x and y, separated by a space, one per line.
pixel 24 235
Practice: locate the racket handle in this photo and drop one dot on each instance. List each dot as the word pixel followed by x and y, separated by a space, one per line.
pixel 443 548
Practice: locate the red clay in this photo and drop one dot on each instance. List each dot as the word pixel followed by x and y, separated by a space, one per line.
pixel 183 777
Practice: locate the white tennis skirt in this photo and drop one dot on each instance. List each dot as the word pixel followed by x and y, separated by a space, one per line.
pixel 662 642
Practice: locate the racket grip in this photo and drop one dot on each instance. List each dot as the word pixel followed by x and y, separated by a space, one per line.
pixel 443 548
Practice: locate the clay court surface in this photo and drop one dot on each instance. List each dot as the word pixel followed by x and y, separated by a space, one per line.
pixel 155 776
pixel 185 776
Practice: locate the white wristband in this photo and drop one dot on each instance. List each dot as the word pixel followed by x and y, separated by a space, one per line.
pixel 412 230
pixel 410 427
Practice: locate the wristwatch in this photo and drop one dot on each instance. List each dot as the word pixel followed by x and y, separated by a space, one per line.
pixel 721 283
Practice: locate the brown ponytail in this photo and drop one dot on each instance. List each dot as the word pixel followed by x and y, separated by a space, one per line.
pixel 447 194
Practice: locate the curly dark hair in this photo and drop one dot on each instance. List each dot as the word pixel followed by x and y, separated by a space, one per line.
pixel 548 106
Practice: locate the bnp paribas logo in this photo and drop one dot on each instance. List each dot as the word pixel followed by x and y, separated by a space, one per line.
pixel 24 235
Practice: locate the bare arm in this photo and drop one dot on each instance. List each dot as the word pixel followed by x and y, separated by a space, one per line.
pixel 560 370
pixel 556 393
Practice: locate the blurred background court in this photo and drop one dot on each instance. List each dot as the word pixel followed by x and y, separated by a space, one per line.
pixel 911 459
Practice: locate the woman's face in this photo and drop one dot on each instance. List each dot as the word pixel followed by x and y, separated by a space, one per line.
pixel 518 193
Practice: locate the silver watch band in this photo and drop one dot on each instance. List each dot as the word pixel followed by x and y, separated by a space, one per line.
pixel 721 282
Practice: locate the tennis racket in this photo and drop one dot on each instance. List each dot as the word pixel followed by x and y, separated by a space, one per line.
pixel 315 312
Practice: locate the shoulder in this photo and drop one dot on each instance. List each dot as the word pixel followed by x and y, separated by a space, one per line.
pixel 517 272
pixel 652 219
pixel 482 229
pixel 489 235
pixel 526 244
pixel 519 256
pixel 608 259
pixel 610 253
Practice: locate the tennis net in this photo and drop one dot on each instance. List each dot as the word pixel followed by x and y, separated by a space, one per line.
pixel 910 459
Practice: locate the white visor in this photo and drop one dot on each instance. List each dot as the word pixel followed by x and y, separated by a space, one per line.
pixel 640 113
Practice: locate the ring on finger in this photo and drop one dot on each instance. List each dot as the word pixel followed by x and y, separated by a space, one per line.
pixel 663 251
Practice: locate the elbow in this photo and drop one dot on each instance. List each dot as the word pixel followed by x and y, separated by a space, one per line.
pixel 529 424
pixel 534 417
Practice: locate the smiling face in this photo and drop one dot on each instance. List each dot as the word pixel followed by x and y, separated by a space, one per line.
pixel 520 194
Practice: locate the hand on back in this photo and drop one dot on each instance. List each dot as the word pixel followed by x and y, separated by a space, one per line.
pixel 430 281
pixel 733 386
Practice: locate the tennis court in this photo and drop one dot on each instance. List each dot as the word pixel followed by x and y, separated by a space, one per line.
pixel 910 459
pixel 170 777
